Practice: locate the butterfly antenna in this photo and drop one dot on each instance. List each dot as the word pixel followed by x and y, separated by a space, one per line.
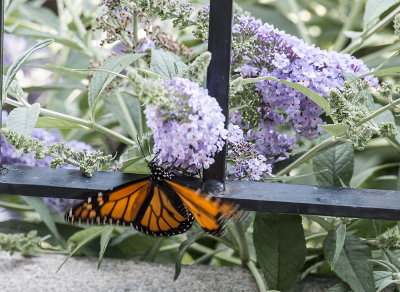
pixel 141 149
pixel 172 165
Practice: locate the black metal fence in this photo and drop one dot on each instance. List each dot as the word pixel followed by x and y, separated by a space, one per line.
pixel 257 196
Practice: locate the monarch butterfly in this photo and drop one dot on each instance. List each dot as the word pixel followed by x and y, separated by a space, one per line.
pixel 155 205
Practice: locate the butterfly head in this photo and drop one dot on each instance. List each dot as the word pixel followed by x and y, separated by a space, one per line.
pixel 159 173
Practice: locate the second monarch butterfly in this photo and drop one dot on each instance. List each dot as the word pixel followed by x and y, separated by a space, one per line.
pixel 155 205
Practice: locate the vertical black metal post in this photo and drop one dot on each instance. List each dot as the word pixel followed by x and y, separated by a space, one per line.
pixel 219 44
pixel 1 63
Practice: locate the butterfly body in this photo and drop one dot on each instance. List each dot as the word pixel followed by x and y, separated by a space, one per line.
pixel 155 205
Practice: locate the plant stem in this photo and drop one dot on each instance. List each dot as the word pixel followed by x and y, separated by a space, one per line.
pixel 348 25
pixel 256 274
pixel 16 206
pixel 394 142
pixel 378 112
pixel 86 123
pixel 378 54
pixel 242 242
pixel 316 236
pixel 309 154
pixel 357 43
pixel 221 256
pixel 155 249
pixel 322 222
pixel 127 115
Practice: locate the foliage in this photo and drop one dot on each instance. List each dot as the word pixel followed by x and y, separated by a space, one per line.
pixel 104 93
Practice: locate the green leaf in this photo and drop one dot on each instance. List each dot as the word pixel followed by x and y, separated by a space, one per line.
pixel 101 79
pixel 340 236
pixel 384 279
pixel 23 120
pixel 133 160
pixel 374 9
pixel 360 178
pixel 40 15
pixel 137 245
pixel 44 212
pixel 319 100
pixel 124 235
pixel 127 111
pixel 14 68
pixel 339 162
pixel 182 250
pixel 388 71
pixel 15 90
pixel 88 238
pixel 55 123
pixel 104 240
pixel 353 265
pixel 392 258
pixel 82 234
pixel 166 64
pixel 335 130
pixel 69 72
pixel 280 248
pixel 71 41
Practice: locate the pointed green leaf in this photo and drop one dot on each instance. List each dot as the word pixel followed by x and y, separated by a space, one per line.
pixel 104 240
pixel 374 9
pixel 101 79
pixel 384 279
pixel 392 259
pixel 69 72
pixel 340 236
pixel 280 259
pixel 358 179
pixel 166 64
pixel 319 100
pixel 55 123
pixel 182 250
pixel 14 68
pixel 44 212
pixel 23 120
pixel 95 232
pixel 15 90
pixel 128 113
pixel 335 130
pixel 388 71
pixel 338 163
pixel 353 265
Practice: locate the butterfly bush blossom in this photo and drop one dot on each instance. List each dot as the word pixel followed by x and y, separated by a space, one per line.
pixel 274 115
pixel 9 156
pixel 246 161
pixel 189 128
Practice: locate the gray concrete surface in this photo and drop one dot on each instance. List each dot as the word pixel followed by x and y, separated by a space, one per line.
pixel 80 274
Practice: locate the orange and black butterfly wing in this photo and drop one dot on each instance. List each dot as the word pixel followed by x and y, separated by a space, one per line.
pixel 211 214
pixel 140 204
pixel 163 214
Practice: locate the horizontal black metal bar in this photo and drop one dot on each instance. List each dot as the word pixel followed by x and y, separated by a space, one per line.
pixel 58 183
pixel 315 200
pixel 252 196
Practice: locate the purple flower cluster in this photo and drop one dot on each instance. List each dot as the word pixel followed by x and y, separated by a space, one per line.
pixel 188 128
pixel 9 156
pixel 285 114
pixel 246 161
